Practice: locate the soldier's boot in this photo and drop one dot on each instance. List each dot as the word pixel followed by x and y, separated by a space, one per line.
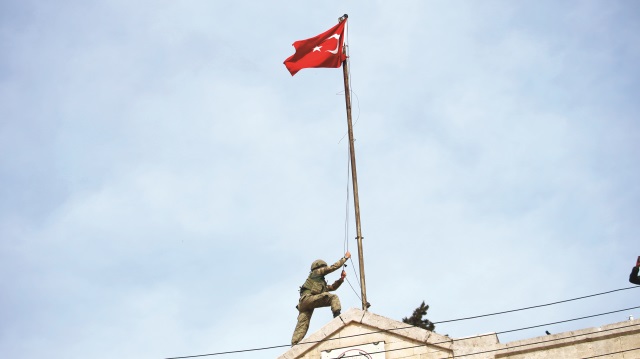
pixel 336 313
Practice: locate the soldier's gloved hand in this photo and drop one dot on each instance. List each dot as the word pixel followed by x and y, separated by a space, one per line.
pixel 343 275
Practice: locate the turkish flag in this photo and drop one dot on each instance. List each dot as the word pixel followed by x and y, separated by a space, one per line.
pixel 324 50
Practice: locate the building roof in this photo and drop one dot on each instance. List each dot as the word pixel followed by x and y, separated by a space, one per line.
pixel 358 327
pixel 358 333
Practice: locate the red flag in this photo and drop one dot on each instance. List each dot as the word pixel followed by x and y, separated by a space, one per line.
pixel 324 50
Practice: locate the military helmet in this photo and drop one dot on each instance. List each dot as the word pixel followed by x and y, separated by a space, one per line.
pixel 317 264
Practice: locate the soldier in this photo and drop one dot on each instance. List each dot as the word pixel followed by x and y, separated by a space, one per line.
pixel 314 294
pixel 633 277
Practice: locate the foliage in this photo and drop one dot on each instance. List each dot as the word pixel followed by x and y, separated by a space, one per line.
pixel 416 318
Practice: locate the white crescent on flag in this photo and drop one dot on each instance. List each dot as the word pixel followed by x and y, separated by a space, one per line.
pixel 337 37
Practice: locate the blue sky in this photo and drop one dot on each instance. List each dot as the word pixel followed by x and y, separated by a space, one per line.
pixel 166 183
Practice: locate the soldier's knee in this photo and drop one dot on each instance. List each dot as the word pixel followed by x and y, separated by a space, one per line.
pixel 331 295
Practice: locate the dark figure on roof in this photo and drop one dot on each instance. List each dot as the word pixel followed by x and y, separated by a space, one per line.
pixel 314 293
pixel 633 277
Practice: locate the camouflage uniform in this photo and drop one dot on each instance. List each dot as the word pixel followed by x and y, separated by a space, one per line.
pixel 314 294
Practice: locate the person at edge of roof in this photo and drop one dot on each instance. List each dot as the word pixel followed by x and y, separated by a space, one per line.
pixel 633 277
pixel 314 293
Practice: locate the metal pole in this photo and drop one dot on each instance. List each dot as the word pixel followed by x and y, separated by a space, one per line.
pixel 354 178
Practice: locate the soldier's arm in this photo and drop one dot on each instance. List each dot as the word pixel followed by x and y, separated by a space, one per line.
pixel 335 285
pixel 332 268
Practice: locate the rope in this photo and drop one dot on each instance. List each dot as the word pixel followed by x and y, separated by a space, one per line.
pixel 346 231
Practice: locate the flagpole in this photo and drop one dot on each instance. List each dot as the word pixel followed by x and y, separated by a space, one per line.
pixel 354 177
